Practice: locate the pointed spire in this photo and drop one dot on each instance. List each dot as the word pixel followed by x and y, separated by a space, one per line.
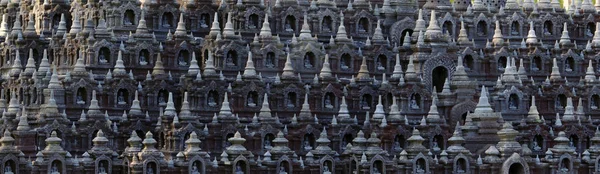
pixel 555 74
pixel 265 31
pixel 225 108
pixel 249 71
pixel 288 69
pixel 341 34
pixel 119 66
pixel 484 104
pixel 181 30
pixel 326 69
pixel 30 66
pixel 215 29
pixel 158 69
pixel 305 33
pixel 498 38
pixel 363 72
pixel 228 31
pixel 531 37
pixel 564 39
pixel 590 75
pixel 433 30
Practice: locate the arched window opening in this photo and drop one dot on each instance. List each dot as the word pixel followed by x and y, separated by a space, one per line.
pixel 389 100
pixel 366 101
pixel 167 20
pixel 290 24
pixel 267 141
pixel 284 167
pixel 103 167
pixel 404 34
pixel 502 63
pixel 399 143
pixel 212 98
pixel 232 59
pixel 197 167
pixel 309 60
pixel 55 22
pixel 515 28
pixel 590 30
pixel 378 167
pixel 447 28
pixel 183 58
pixel 569 64
pixel 162 97
pixel 129 18
pixel 421 166
pixel 104 55
pixel 329 100
pixel 122 97
pixel 308 141
pixel 143 57
pixel 327 167
pixel 253 21
pixel 9 167
pixel 226 142
pixel 240 167
pixel 56 167
pixel 290 100
pixel 536 63
pixel 363 25
pixel 345 141
pixel 437 143
pixel 461 165
pixel 415 101
pixel 516 168
pixel 595 102
pixel 564 165
pixel 345 61
pixel 270 60
pixel 439 75
pixel 81 96
pixel 538 143
pixel 327 24
pixel 548 28
pixel 468 62
pixel 561 101
pixel 482 28
pixel 574 142
pixel 381 62
pixel 513 102
pixel 151 167
pixel 205 20
pixel 252 98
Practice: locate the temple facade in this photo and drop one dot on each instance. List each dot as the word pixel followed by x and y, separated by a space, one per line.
pixel 299 87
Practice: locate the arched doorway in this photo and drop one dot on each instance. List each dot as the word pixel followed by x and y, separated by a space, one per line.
pixel 438 77
pixel 516 168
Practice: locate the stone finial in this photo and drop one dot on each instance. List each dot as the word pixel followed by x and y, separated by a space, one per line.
pixel 288 69
pixel 569 111
pixel 53 143
pixel 420 23
pixel 379 112
pixel 194 68
pixel 265 111
pixel 181 30
pixel 225 108
pixel 228 31
pixel 341 34
pixel 326 69
pixel 215 29
pixel 305 33
pixel 4 26
pixel 397 68
pixel 531 37
pixel 158 69
pixel 363 72
pixel 119 68
pixel 433 30
pixel 250 70
pixel 23 123
pixel 265 31
pixel 343 113
pixel 149 143
pixel 30 66
pixel 484 104
pixel 555 74
pixel 378 34
pixel 192 144
pixel 590 75
pixel 564 38
pixel 142 28
pixel 498 38
pixel 533 111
